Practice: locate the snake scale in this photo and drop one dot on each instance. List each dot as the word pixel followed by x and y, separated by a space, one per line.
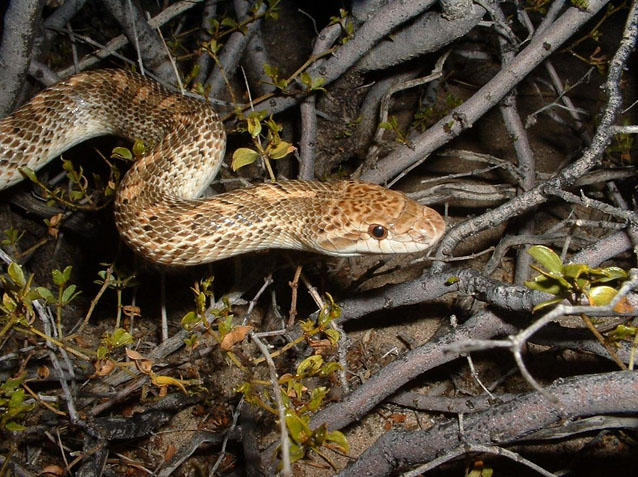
pixel 158 208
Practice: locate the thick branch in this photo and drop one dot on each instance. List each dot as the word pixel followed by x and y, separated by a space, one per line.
pixel 21 22
pixel 579 397
pixel 469 112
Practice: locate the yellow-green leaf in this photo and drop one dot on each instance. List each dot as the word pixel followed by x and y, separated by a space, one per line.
pixel 121 337
pixel 575 270
pixel 310 366
pixel 243 157
pixel 296 452
pixel 122 153
pixel 297 427
pixel 601 296
pixel 544 284
pixel 16 274
pixel 338 439
pixel 281 150
pixel 29 174
pixel 546 257
pixel 547 303
pixel 254 126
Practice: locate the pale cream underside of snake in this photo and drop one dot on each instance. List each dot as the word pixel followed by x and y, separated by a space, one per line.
pixel 158 208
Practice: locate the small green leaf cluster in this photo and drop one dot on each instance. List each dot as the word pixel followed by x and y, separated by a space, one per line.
pixel 347 27
pixel 300 400
pixel 275 147
pixel 572 281
pixel 312 84
pixel 17 298
pixel 12 404
pixel 112 341
pixel 65 294
pixel 273 73
pixel 349 128
pixel 78 194
pixel 428 115
pixel 393 125
pixel 203 295
pixel 622 145
pixel 219 28
pixel 13 236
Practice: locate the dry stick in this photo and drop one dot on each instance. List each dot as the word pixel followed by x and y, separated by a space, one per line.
pixel 386 20
pixel 294 286
pixel 522 147
pixel 228 61
pixel 227 434
pixel 283 430
pixel 626 215
pixel 467 448
pixel 437 72
pixel 204 60
pixel 140 62
pixel 571 173
pixel 469 112
pixel 94 301
pixel 308 140
pixel 178 78
pixel 118 42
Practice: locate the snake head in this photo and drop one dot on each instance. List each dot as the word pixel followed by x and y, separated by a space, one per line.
pixel 368 219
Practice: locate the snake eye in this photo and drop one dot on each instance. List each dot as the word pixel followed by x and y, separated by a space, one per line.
pixel 378 231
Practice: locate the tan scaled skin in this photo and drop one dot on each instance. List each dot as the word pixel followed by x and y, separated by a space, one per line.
pixel 158 208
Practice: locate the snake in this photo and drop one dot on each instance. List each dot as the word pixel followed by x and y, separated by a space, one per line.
pixel 160 211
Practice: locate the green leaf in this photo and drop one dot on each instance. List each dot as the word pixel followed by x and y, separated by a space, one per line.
pixel 190 320
pixel 297 426
pixel 333 336
pixel 102 352
pixel 575 270
pixel 14 427
pixel 310 366
pixel 546 257
pixel 254 125
pixel 46 294
pixel 58 277
pixel 338 439
pixel 243 157
pixel 545 304
pixel 601 295
pixel 16 399
pixel 139 148
pixel 545 284
pixel 29 174
pixel 306 79
pixel 281 150
pixel 297 452
pixel 69 294
pixel 120 337
pixel 329 368
pixel 611 273
pixel 122 153
pixel 317 396
pixel 319 435
pixel 11 384
pixel 16 274
pixel 8 303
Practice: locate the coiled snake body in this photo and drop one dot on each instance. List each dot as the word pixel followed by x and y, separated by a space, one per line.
pixel 158 208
